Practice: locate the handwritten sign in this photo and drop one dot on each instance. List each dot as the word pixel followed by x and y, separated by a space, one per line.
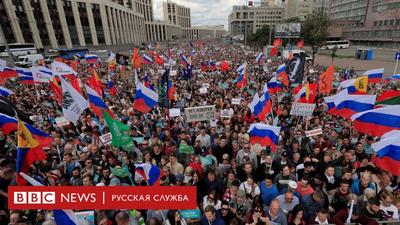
pixel 61 121
pixel 315 132
pixel 302 109
pixel 106 138
pixel 226 113
pixel 172 73
pixel 236 101
pixel 195 114
pixel 175 112
pixel 37 118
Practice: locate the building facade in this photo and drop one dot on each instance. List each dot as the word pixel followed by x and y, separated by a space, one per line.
pixel 177 14
pixel 322 6
pixel 355 10
pixel 71 23
pixel 297 8
pixel 245 20
pixel 204 32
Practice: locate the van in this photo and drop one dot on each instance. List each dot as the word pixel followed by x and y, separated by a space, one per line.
pixel 28 60
pixel 296 52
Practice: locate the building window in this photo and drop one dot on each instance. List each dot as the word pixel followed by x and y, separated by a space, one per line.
pixel 385 23
pixel 375 23
pixel 391 22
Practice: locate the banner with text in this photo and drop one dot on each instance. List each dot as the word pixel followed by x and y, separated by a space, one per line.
pixel 200 113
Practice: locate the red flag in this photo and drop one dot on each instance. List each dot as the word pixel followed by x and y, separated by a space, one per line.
pixel 151 53
pixel 75 84
pixel 277 42
pixel 224 65
pixel 273 52
pixel 136 59
pixel 56 89
pixel 300 44
pixel 95 82
pixel 325 80
pixel 297 89
pixel 159 60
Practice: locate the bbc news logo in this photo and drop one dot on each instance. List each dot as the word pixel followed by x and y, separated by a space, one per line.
pixel 89 198
pixel 21 197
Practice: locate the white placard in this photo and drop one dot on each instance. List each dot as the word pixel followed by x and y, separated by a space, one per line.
pixel 203 113
pixel 226 113
pixel 203 90
pixel 36 118
pixel 174 112
pixel 106 138
pixel 61 121
pixel 236 101
pixel 311 70
pixel 187 95
pixel 302 109
pixel 172 73
pixel 314 132
pixel 161 71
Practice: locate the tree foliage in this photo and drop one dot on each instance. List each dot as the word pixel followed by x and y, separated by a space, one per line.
pixel 315 30
pixel 260 38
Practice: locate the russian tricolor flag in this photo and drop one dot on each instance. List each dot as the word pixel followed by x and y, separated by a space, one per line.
pixel 25 76
pixel 170 90
pixel 213 65
pixel 259 58
pixel 148 172
pixel 377 122
pixel 348 105
pixel 330 102
pixel 274 86
pixel 96 103
pixel 5 92
pixel 9 124
pixel 6 73
pixel 145 98
pixel 281 75
pixel 242 81
pixel 184 60
pixel 374 76
pixel 263 107
pixel 147 59
pixel 264 135
pixel 91 58
pixel 254 102
pixel 388 153
pixel 307 93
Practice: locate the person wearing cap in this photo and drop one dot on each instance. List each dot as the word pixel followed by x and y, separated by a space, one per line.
pixel 287 201
pixel 281 161
pixel 357 216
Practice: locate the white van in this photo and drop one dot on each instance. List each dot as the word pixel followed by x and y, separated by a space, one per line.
pixel 28 60
pixel 296 52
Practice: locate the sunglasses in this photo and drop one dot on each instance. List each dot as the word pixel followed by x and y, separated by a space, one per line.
pixel 210 198
pixel 224 209
pixel 258 210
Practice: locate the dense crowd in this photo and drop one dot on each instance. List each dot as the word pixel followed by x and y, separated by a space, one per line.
pixel 307 180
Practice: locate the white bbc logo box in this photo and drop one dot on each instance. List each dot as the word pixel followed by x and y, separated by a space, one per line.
pixel 37 197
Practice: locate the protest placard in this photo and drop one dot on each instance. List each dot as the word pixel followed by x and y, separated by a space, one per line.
pixel 315 132
pixel 61 121
pixel 87 216
pixel 302 109
pixel 226 113
pixel 236 101
pixel 203 90
pixel 203 113
pixel 106 138
pixel 172 73
pixel 174 112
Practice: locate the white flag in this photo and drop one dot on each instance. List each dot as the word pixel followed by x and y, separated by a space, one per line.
pixel 59 68
pixel 73 104
pixel 41 74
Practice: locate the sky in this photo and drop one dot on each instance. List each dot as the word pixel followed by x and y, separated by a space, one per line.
pixel 204 12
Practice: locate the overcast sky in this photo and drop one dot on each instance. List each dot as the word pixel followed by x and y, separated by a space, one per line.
pixel 204 12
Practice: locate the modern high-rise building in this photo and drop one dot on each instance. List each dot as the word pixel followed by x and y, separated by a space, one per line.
pixel 355 10
pixel 245 20
pixel 380 25
pixel 177 14
pixel 68 23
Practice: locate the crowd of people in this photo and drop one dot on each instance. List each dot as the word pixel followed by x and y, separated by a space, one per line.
pixel 306 180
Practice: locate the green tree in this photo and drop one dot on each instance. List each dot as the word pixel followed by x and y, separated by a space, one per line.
pixel 260 38
pixel 315 30
pixel 295 19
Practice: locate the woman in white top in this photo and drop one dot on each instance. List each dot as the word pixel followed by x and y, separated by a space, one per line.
pixel 250 187
pixel 211 199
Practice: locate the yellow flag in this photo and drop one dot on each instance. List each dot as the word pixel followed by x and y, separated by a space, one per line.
pixel 361 84
pixel 25 139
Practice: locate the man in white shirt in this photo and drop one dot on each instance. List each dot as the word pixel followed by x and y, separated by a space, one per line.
pixel 287 201
pixel 388 210
pixel 204 138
